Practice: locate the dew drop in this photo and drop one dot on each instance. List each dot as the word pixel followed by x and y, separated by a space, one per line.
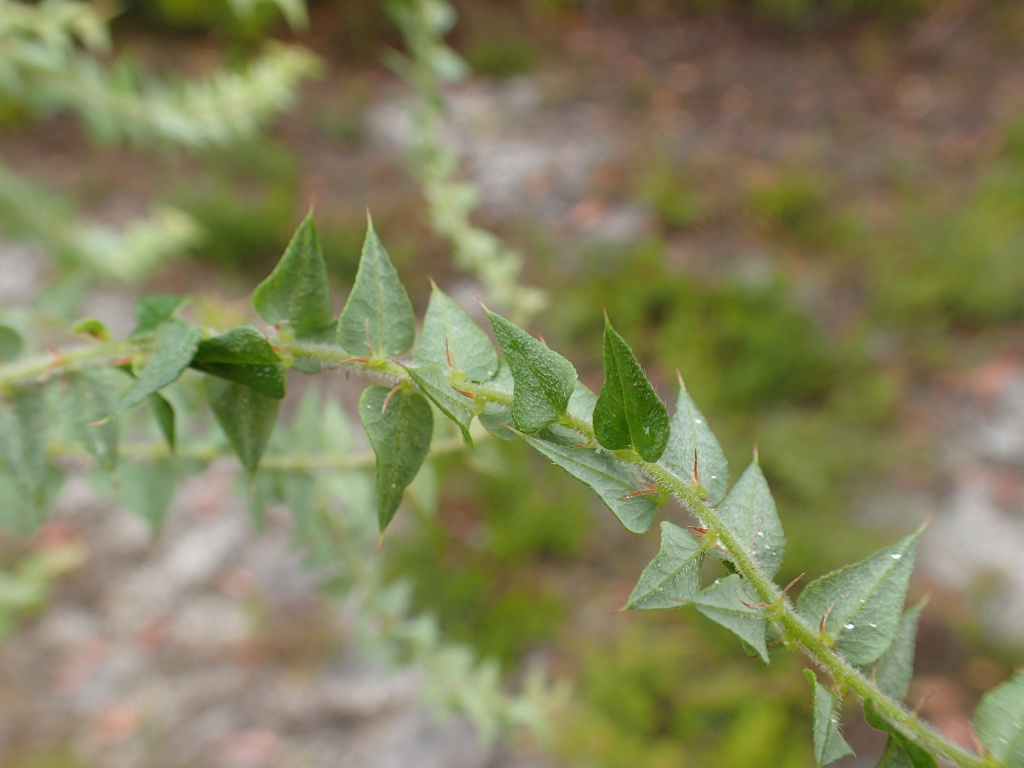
pixel 760 533
pixel 848 626
pixel 697 421
pixel 873 625
pixel 714 477
pixel 896 556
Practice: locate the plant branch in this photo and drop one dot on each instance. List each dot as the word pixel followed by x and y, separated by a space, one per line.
pixel 780 609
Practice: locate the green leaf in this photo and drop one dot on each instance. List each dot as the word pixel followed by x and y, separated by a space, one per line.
pixel 245 356
pixel 10 344
pixel 892 672
pixel 450 335
pixel 543 379
pixel 582 402
pixel 894 756
pixel 176 343
pixel 399 429
pixel 691 434
pixel 829 744
pixel 999 721
pixel 673 576
pixel 900 750
pixel 864 601
pixel 152 311
pixel 246 417
pixel 147 489
pixel 297 291
pixel 749 513
pixel 23 444
pixel 609 478
pixel 165 419
pixel 453 404
pixel 92 327
pixel 629 413
pixel 91 394
pixel 18 515
pixel 731 603
pixel 378 319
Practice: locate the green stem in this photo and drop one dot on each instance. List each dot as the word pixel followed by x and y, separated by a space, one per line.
pixel 42 366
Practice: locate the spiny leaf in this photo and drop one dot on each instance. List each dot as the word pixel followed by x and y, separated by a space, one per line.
pixel 152 311
pixel 749 512
pixel 297 291
pixel 864 601
pixel 691 435
pixel 456 406
pixel 829 744
pixel 378 319
pixel 245 356
pixel 731 603
pixel 399 429
pixel 629 413
pixel 673 576
pixel 999 721
pixel 543 379
pixel 176 343
pixel 246 417
pixel 892 672
pixel 900 750
pixel 91 394
pixel 607 477
pixel 450 334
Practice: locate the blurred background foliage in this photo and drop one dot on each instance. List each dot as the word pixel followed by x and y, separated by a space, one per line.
pixel 519 561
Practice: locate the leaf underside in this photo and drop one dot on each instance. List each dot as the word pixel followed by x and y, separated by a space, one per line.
pixel 399 425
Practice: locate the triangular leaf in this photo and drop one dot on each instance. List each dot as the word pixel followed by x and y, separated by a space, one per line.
pixel 91 394
pixel 829 744
pixel 456 406
pixel 246 417
pixel 892 672
pixel 673 576
pixel 399 424
pixel 894 756
pixel 147 489
pixel 543 379
pixel 610 479
pixel 449 334
pixel 245 356
pixel 152 311
pixel 176 343
pixel 23 444
pixel 628 413
pixel 297 291
pixel 691 435
pixel 18 515
pixel 900 749
pixel 730 602
pixel 378 319
pixel 863 601
pixel 749 513
pixel 165 419
pixel 999 721
pixel 10 344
